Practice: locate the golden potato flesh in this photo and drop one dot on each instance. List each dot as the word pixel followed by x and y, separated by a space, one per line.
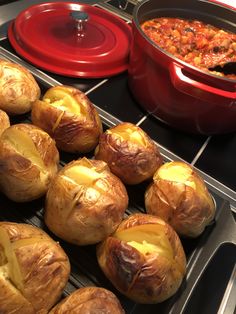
pixel 18 88
pixel 180 197
pixel 87 200
pixel 89 300
pixel 69 117
pixel 29 160
pixel 129 152
pixel 34 269
pixel 4 121
pixel 144 259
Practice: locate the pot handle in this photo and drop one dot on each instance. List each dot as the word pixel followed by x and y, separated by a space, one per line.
pixel 197 89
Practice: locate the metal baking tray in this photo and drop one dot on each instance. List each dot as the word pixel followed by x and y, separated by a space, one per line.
pixel 210 283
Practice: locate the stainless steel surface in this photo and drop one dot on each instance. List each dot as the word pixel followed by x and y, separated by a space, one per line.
pixel 80 18
pixel 227 305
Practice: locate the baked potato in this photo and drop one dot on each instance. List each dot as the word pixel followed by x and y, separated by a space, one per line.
pixel 34 269
pixel 18 88
pixel 28 161
pixel 69 117
pixel 144 259
pixel 179 196
pixel 4 121
pixel 87 200
pixel 89 300
pixel 129 152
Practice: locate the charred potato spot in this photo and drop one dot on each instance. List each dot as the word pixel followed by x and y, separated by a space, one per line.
pixel 179 196
pixel 144 259
pixel 128 264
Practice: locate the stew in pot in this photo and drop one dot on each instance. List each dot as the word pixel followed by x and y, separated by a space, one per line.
pixel 197 43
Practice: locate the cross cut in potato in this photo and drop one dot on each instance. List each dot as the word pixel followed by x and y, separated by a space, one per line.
pixel 143 258
pixel 33 269
pixel 129 152
pixel 63 100
pixel 24 145
pixel 28 161
pixel 147 239
pixel 83 175
pixel 175 172
pixel 68 115
pixel 88 201
pixel 11 266
pixel 131 133
pixel 180 196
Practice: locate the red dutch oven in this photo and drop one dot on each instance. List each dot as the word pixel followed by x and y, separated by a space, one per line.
pixel 175 92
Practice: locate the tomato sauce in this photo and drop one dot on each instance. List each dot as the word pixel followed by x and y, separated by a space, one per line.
pixel 202 45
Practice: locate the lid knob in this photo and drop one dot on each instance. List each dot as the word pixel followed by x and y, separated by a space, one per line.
pixel 123 4
pixel 81 19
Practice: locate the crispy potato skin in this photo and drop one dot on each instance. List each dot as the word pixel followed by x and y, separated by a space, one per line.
pixel 44 268
pixel 4 121
pixel 21 180
pixel 133 163
pixel 18 88
pixel 144 278
pixel 74 133
pixel 89 300
pixel 85 214
pixel 186 209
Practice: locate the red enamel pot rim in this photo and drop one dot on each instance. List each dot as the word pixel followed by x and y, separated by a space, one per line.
pixel 171 6
pixel 175 92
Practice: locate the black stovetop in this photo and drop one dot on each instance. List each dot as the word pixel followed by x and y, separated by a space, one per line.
pixel 213 156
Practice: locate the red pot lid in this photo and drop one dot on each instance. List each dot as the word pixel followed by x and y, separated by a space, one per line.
pixel 72 39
